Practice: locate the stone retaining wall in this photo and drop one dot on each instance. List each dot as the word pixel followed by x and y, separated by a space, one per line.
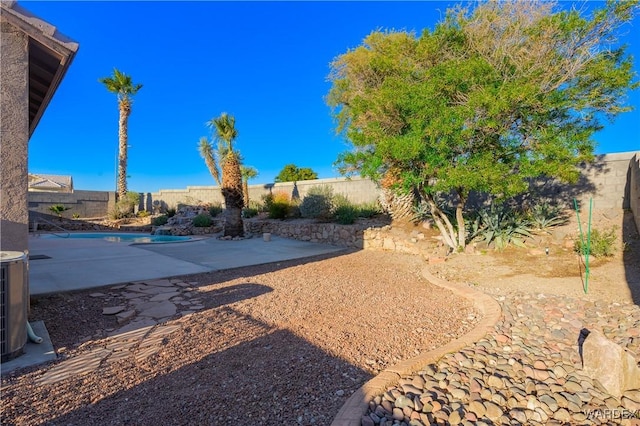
pixel 364 235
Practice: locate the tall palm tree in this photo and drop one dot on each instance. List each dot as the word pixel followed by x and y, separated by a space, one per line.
pixel 121 84
pixel 247 172
pixel 225 133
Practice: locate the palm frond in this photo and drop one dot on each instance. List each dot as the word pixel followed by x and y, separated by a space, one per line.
pixel 207 152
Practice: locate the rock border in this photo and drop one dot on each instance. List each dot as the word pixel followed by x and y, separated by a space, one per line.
pixel 356 406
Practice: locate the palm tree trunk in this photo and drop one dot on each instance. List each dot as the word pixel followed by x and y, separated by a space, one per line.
pixel 123 137
pixel 245 193
pixel 233 199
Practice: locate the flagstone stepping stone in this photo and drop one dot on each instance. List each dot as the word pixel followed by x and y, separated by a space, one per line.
pixel 160 310
pixel 123 317
pixel 160 283
pixel 112 310
pixel 163 296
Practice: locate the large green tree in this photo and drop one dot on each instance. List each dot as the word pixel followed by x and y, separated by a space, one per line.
pixel 223 163
pixel 293 173
pixel 122 85
pixel 492 97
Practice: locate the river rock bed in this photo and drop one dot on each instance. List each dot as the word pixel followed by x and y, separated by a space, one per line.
pixel 527 371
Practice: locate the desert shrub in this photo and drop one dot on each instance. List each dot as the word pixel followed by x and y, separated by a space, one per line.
pixel 317 203
pixel 278 205
pixel 601 244
pixel 248 212
pixel 143 213
pixel 160 220
pixel 171 212
pixel 75 216
pixel 215 209
pixel 368 210
pixel 202 221
pixel 267 200
pixel 345 214
pixel 125 206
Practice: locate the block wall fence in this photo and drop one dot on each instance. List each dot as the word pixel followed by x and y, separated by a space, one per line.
pixel 612 182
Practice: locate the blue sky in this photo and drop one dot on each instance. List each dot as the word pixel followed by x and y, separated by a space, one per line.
pixel 266 63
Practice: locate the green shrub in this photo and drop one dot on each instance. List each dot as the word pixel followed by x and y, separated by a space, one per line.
pixel 125 206
pixel 267 200
pixel 171 212
pixel 160 220
pixel 248 212
pixel 318 203
pixel 345 214
pixel 368 210
pixel 202 221
pixel 277 204
pixel 279 210
pixel 143 213
pixel 602 243
pixel 75 216
pixel 58 209
pixel 215 209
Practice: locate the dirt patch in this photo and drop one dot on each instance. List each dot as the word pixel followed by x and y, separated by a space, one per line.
pixel 550 265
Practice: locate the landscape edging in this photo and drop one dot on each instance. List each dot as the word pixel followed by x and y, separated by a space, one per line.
pixel 355 407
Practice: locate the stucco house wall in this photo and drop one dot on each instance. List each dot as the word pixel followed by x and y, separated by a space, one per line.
pixel 14 137
pixel 31 50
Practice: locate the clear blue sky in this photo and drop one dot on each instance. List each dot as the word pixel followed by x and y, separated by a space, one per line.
pixel 264 62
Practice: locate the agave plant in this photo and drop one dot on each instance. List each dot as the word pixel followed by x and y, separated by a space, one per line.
pixel 502 226
pixel 544 216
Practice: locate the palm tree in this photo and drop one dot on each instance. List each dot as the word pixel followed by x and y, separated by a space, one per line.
pixel 121 84
pixel 247 172
pixel 225 133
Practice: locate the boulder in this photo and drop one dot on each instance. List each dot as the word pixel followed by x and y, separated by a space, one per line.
pixel 610 364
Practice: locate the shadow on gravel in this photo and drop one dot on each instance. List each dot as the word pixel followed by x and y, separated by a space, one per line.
pixel 216 277
pixel 224 368
pixel 631 255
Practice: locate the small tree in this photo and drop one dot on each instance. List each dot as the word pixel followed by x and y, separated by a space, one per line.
pixel 58 209
pixel 491 98
pixel 293 173
pixel 225 133
pixel 247 172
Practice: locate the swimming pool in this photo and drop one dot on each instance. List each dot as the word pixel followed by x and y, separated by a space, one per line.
pixel 118 237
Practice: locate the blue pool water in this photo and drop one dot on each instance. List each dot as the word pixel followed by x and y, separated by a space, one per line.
pixel 119 238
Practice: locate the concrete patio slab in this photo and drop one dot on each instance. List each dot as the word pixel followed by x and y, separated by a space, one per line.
pixel 67 264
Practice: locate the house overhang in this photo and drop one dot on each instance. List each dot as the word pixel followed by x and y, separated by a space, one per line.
pixel 50 54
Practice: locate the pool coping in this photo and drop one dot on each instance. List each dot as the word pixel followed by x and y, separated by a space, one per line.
pixel 357 404
pixel 131 243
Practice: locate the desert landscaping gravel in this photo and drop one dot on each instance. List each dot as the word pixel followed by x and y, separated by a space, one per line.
pixel 277 344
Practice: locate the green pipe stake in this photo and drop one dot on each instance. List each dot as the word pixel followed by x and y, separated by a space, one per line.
pixel 582 245
pixel 586 267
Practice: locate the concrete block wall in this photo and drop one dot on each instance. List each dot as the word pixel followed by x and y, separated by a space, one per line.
pixel 634 188
pixel 358 190
pixel 606 181
pixel 84 203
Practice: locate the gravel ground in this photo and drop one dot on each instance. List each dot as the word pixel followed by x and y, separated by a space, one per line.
pixel 278 344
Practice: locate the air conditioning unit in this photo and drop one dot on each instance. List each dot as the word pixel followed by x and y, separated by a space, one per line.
pixel 14 303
